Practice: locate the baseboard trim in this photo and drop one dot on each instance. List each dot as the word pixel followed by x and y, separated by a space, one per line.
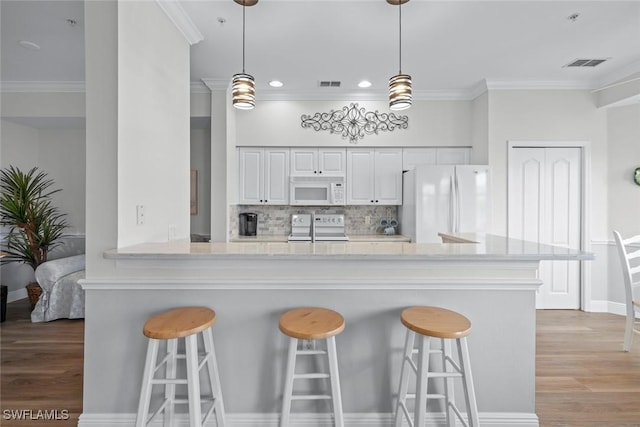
pixel 17 294
pixel 487 419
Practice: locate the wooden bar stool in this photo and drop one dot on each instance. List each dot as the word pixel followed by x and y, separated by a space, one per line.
pixel 433 322
pixel 185 323
pixel 312 323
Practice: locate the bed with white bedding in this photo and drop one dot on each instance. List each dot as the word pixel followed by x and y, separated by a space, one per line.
pixel 62 297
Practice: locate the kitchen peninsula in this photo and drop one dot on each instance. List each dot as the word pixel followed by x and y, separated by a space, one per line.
pixel 249 284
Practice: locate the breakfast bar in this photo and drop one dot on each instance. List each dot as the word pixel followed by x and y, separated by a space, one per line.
pixel 491 281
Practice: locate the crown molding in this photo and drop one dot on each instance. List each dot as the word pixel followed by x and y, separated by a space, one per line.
pixel 619 75
pixel 539 84
pixel 199 87
pixel 217 84
pixel 43 87
pixel 181 20
pixel 207 85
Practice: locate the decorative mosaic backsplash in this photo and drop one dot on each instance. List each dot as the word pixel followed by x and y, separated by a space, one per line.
pixel 276 220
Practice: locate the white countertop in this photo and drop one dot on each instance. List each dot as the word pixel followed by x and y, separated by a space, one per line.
pixel 352 238
pixel 489 248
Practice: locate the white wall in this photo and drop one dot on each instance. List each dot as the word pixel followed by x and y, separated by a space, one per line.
pixel 623 158
pixel 480 130
pixel 18 145
pixel 278 123
pixel 60 153
pixel 201 162
pixel 547 115
pixel 153 125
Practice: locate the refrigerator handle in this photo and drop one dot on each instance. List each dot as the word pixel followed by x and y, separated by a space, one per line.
pixel 457 203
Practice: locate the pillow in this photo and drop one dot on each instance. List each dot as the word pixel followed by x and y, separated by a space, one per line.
pixel 48 273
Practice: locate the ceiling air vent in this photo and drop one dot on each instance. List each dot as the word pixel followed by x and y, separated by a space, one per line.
pixel 585 62
pixel 329 83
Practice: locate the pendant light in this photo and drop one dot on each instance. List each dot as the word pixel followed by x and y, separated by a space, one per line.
pixel 400 84
pixel 243 87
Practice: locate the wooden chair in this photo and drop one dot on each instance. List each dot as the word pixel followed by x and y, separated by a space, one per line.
pixel 631 287
pixel 426 323
pixel 312 323
pixel 184 323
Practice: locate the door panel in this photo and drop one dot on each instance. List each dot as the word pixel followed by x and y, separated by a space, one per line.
pixel 332 162
pixel 360 172
pixel 250 180
pixel 276 186
pixel 544 206
pixel 563 209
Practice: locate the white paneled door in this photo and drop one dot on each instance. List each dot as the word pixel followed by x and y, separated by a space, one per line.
pixel 544 206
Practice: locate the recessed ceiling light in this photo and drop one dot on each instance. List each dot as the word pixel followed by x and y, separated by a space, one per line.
pixel 364 84
pixel 276 83
pixel 28 45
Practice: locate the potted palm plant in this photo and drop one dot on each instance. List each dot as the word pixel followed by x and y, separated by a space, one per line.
pixel 35 224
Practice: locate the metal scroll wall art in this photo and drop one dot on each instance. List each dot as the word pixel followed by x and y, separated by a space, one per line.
pixel 354 123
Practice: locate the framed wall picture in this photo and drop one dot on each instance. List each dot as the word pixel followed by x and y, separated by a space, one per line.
pixel 194 192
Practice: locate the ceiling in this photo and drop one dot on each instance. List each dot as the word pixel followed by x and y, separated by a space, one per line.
pixel 448 47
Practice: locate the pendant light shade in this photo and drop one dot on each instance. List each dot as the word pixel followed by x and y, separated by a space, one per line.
pixel 243 90
pixel 400 92
pixel 243 86
pixel 400 84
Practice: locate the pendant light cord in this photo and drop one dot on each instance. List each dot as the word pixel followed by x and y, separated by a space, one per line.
pixel 400 37
pixel 243 31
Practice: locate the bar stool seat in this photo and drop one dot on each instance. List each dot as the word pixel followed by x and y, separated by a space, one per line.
pixel 181 323
pixel 312 323
pixel 447 325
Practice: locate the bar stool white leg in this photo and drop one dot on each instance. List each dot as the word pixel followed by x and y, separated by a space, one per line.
pixel 467 382
pixel 422 382
pixel 170 389
pixel 193 380
pixel 147 377
pixel 401 404
pixel 288 384
pixel 335 382
pixel 448 384
pixel 214 377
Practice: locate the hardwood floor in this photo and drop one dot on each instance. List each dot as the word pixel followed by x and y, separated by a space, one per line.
pixel 40 369
pixel 583 378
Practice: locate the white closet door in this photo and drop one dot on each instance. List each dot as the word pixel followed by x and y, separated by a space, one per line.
pixel 544 207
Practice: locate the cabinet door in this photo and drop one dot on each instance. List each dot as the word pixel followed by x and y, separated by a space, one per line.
pixel 332 161
pixel 304 161
pixel 417 156
pixel 250 181
pixel 388 176
pixel 276 176
pixel 453 156
pixel 360 173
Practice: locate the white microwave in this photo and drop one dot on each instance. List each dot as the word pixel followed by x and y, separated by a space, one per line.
pixel 317 191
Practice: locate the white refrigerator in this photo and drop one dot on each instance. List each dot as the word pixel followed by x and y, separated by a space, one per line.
pixel 454 199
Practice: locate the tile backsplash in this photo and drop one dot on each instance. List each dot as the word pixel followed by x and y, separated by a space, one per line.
pixel 276 220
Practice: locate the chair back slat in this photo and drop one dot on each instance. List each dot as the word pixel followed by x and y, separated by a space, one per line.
pixel 628 273
pixel 634 254
pixel 631 240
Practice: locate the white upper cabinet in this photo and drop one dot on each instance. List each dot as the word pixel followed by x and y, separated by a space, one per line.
pixel 264 176
pixel 318 161
pixel 434 156
pixel 417 156
pixel 388 176
pixel 453 156
pixel 374 176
